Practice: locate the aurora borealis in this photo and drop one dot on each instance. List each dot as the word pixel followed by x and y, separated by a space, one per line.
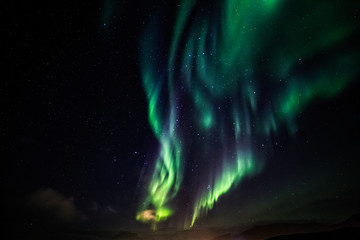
pixel 233 75
pixel 180 120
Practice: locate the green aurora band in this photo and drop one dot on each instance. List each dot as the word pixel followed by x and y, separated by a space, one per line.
pixel 233 72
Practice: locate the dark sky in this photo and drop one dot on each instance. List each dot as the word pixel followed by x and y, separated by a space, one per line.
pixel 75 131
pixel 76 115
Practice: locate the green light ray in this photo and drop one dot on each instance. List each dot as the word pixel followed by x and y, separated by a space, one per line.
pixel 228 178
pixel 237 69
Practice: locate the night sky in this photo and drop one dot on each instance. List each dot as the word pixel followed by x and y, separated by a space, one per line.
pixel 191 114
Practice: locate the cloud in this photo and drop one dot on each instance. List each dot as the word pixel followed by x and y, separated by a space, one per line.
pixel 110 209
pixel 51 202
pixel 96 207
